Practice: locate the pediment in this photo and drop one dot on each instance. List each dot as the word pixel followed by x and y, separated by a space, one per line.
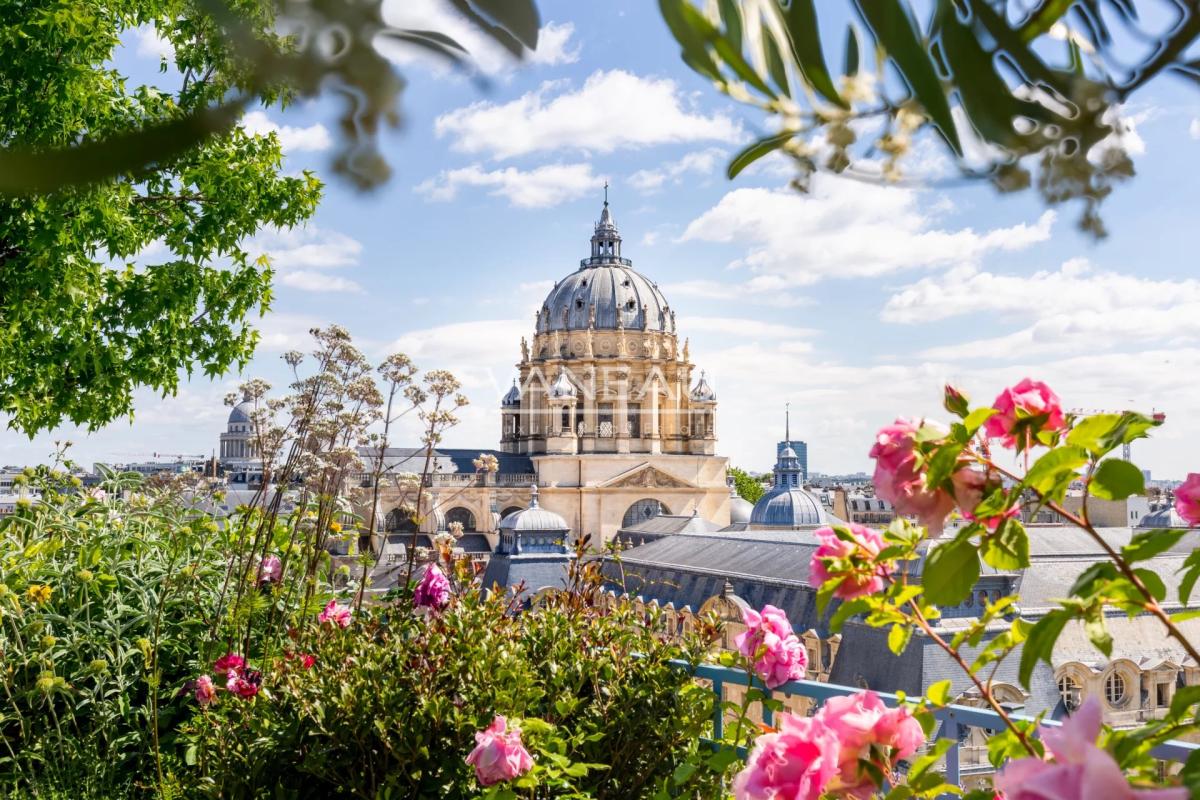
pixel 646 476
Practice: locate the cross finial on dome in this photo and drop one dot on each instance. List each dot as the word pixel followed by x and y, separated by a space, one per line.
pixel 533 501
pixel 606 193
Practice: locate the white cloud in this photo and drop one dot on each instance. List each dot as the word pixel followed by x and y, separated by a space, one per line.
pixel 765 290
pixel 555 45
pixel 1071 309
pixel 312 138
pixel 846 228
pixel 541 187
pixel 151 45
pixel 300 257
pixel 704 162
pixel 311 281
pixel 1194 128
pixel 613 109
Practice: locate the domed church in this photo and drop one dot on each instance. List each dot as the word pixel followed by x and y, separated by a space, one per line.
pixel 607 416
pixel 606 403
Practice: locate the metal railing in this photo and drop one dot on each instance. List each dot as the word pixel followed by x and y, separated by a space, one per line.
pixel 955 720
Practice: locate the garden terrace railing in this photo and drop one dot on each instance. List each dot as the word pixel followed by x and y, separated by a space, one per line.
pixel 956 721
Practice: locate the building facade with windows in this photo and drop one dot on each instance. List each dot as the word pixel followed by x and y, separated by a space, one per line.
pixel 607 416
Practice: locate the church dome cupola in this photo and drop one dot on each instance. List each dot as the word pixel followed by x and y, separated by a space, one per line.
pixel 513 398
pixel 702 392
pixel 606 241
pixel 562 386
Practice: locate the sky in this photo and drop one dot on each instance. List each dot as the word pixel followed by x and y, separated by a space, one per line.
pixel 854 303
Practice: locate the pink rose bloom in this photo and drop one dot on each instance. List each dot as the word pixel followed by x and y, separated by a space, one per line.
pixel 499 754
pixel 970 486
pixel 244 684
pixel 856 583
pixel 1187 499
pixel 270 569
pixel 782 656
pixel 899 481
pixel 1080 770
pixel 206 692
pixel 230 662
pixel 1028 398
pixel 796 762
pixel 900 730
pixel 433 591
pixel 335 614
pixel 307 660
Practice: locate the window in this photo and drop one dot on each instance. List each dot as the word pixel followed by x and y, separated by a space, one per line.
pixel 1162 694
pixel 604 419
pixel 1114 689
pixel 462 515
pixel 643 510
pixel 1069 691
pixel 566 420
pixel 635 419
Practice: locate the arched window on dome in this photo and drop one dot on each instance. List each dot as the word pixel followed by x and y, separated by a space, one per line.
pixel 643 510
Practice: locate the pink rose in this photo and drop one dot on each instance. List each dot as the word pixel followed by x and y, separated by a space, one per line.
pixel 499 754
pixel 433 591
pixel 1080 770
pixel 852 718
pixel 899 481
pixel 796 762
pixel 900 730
pixel 1028 399
pixel 771 647
pixel 335 614
pixel 269 570
pixel 206 692
pixel 244 684
pixel 230 662
pixel 858 579
pixel 971 485
pixel 1187 499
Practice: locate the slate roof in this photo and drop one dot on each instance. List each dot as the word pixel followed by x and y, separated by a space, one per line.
pixel 447 460
pixel 532 571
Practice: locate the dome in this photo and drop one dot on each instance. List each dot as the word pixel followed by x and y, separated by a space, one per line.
pixel 534 519
pixel 562 387
pixel 605 293
pixel 702 392
pixel 240 414
pixel 786 507
pixel 1166 517
pixel 788 452
pixel 513 398
pixel 740 510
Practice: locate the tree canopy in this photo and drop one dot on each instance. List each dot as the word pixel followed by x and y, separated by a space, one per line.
pixel 747 486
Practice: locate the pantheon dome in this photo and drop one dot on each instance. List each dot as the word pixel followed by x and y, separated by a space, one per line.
pixel 605 293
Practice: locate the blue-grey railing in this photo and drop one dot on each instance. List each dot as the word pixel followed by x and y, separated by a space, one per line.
pixel 954 719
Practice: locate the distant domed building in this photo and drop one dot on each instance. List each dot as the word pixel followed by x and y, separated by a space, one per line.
pixel 787 504
pixel 1165 517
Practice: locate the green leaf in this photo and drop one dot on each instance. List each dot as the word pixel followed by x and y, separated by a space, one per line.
pixel 1191 571
pixel 943 464
pixel 1096 628
pixel 1100 433
pixel 1051 473
pixel 898 637
pixel 846 610
pixel 775 65
pixel 755 151
pixel 852 48
pixel 974 421
pixel 1148 544
pixel 1006 549
pixel 683 773
pixel 951 571
pixel 938 693
pixel 720 760
pixel 896 30
pixel 1039 645
pixel 800 18
pixel 1115 479
pixel 1153 583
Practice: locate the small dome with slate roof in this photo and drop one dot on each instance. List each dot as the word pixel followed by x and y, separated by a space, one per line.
pixel 702 392
pixel 513 398
pixel 1165 517
pixel 534 519
pixel 787 504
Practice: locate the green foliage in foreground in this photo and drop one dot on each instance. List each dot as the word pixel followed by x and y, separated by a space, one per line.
pixel 129 281
pixel 110 607
pixel 748 487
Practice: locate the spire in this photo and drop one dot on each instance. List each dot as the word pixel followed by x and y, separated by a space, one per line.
pixel 787 423
pixel 606 240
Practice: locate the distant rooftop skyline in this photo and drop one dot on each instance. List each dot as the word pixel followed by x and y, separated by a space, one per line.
pixel 850 302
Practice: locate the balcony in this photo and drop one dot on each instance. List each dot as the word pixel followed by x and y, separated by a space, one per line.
pixel 598 260
pixel 956 720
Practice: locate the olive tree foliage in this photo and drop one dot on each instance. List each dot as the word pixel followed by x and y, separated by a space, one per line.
pixel 1013 92
pixel 125 209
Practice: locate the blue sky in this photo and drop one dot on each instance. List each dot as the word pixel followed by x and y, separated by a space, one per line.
pixel 855 303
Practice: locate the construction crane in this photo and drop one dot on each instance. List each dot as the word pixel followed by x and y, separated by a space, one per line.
pixel 1126 448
